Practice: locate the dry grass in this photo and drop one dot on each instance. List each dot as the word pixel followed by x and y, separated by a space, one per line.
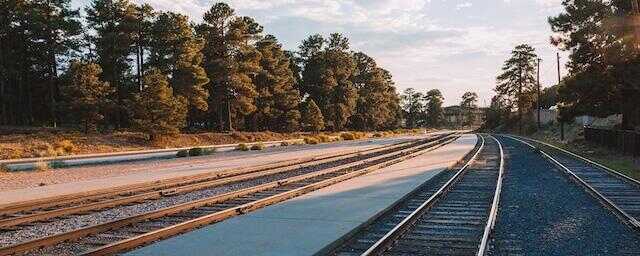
pixel 48 143
pixel 41 166
pixel 243 147
pixel 258 146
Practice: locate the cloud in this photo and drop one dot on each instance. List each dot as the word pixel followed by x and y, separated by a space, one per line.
pixel 463 5
pixel 425 43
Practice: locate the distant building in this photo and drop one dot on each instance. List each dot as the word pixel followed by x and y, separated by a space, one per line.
pixel 455 116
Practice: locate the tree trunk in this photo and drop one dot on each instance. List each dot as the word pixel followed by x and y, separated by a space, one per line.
pixel 3 78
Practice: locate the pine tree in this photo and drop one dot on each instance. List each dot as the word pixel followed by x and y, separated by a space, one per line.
pixel 230 61
pixel 327 79
pixel 157 111
pixel 517 84
pixel 86 96
pixel 468 105
pixel 434 111
pixel 277 101
pixel 114 23
pixel 413 108
pixel 604 62
pixel 376 95
pixel 34 36
pixel 312 118
pixel 176 51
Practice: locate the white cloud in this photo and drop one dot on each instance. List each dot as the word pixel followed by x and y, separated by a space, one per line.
pixel 463 5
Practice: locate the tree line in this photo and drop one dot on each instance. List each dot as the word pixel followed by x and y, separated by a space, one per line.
pixel 604 66
pixel 426 109
pixel 128 66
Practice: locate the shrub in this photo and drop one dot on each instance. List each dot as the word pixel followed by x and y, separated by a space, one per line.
pixel 57 164
pixel 242 147
pixel 347 136
pixel 323 138
pixel 378 135
pixel 3 168
pixel 65 146
pixel 311 140
pixel 182 153
pixel 258 146
pixel 196 152
pixel 209 151
pixel 285 144
pixel 41 166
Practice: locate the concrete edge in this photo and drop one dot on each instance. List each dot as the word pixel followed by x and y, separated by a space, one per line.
pixel 334 245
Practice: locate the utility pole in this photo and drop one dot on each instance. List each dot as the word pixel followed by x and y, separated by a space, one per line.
pixel 539 60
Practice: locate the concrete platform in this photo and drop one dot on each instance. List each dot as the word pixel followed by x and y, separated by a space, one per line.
pixel 173 168
pixel 307 224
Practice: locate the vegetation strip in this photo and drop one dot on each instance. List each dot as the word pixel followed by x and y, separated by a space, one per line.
pixel 51 240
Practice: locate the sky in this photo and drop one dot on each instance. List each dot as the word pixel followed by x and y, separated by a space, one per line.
pixel 451 45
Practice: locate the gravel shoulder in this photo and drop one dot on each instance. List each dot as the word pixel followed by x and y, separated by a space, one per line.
pixel 543 212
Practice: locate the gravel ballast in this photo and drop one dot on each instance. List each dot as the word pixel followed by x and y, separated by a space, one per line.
pixel 543 212
pixel 73 222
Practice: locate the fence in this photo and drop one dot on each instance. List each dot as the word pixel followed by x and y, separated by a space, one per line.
pixel 627 142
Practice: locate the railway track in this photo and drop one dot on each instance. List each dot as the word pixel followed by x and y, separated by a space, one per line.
pixel 14 215
pixel 616 191
pixel 127 233
pixel 452 214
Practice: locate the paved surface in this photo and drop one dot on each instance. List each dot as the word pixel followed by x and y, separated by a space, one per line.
pixel 218 161
pixel 543 212
pixel 307 224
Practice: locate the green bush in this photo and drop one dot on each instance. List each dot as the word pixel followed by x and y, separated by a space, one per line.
pixel 242 147
pixel 209 151
pixel 182 153
pixel 258 146
pixel 311 140
pixel 348 136
pixel 196 152
pixel 57 164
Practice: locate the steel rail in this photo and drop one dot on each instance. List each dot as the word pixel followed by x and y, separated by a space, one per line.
pixel 494 207
pixel 612 171
pixel 232 177
pixel 102 193
pixel 381 245
pixel 107 198
pixel 219 216
pixel 79 233
pixel 623 215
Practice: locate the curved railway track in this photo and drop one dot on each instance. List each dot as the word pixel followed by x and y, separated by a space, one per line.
pixel 14 215
pixel 455 219
pixel 616 191
pixel 127 233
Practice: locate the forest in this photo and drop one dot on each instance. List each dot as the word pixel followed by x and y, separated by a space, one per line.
pixel 116 65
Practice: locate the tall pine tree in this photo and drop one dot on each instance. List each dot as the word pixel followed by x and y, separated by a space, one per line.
pixel 327 79
pixel 156 110
pixel 277 101
pixel 230 61
pixel 86 96
pixel 177 52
